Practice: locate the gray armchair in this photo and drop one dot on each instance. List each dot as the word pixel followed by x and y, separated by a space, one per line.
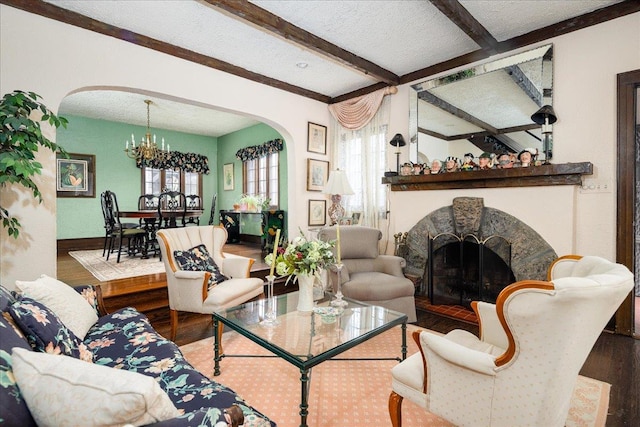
pixel 368 276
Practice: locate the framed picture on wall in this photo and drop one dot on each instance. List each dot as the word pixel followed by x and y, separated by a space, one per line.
pixel 317 212
pixel 76 175
pixel 227 176
pixel 316 138
pixel 317 174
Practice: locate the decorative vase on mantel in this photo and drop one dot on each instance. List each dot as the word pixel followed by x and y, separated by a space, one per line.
pixel 305 292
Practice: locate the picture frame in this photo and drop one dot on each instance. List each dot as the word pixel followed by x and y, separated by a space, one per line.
pixel 227 177
pixel 317 174
pixel 345 220
pixel 76 175
pixel 317 212
pixel 356 218
pixel 316 138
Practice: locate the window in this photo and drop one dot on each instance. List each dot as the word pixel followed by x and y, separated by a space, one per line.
pixel 157 180
pixel 261 177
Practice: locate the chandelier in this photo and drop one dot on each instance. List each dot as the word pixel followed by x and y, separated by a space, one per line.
pixel 147 149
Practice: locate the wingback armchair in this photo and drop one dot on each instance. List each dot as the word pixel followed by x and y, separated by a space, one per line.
pixel 191 290
pixel 369 276
pixel 533 343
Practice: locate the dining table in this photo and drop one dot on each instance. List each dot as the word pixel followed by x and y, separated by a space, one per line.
pixel 150 221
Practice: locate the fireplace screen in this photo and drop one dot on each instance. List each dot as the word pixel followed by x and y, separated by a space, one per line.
pixel 461 269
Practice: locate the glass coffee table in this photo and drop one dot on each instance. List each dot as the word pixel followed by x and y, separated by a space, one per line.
pixel 306 339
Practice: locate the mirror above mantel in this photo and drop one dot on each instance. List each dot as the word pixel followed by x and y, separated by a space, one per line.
pixel 487 107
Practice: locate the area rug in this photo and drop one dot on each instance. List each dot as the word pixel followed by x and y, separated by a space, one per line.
pixel 347 393
pixel 104 270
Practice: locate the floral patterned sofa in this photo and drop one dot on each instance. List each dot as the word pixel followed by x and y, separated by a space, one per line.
pixel 48 392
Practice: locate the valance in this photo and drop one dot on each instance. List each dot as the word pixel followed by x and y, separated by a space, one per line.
pixel 255 151
pixel 187 162
pixel 355 113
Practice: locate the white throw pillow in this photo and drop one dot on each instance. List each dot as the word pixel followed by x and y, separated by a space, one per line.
pixel 72 309
pixel 63 391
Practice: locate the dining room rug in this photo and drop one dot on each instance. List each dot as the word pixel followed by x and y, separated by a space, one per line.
pixel 348 393
pixel 104 270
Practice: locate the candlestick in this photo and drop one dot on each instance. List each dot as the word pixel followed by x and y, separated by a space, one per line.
pixel 275 251
pixel 338 242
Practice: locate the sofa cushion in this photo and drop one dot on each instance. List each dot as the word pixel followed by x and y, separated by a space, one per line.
pixel 72 309
pixel 60 388
pixel 13 408
pixel 199 259
pixel 44 330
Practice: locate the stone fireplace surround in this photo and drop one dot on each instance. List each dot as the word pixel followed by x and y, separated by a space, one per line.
pixel 531 255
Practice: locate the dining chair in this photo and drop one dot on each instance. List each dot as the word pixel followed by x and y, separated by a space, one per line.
pixel 148 202
pixel 172 209
pixel 116 232
pixel 522 368
pixel 194 202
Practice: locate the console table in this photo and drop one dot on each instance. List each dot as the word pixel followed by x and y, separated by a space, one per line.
pixel 263 224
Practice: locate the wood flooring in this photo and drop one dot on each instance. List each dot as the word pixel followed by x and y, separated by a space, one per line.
pixel 614 359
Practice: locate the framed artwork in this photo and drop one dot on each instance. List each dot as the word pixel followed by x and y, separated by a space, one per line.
pixel 316 138
pixel 317 174
pixel 227 176
pixel 317 212
pixel 76 175
pixel 356 218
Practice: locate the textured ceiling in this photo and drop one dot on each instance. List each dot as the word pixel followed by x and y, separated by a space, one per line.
pixel 361 45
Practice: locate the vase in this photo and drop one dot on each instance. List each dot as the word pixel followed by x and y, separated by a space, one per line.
pixel 305 293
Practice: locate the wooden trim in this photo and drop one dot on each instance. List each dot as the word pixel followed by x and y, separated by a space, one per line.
pixel 553 174
pixel 416 337
pixel 502 300
pixel 460 16
pixel 564 257
pixel 626 200
pixel 395 409
pixel 81 244
pixel 167 250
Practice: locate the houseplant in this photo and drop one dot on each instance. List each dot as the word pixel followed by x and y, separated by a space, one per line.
pixel 20 139
pixel 302 260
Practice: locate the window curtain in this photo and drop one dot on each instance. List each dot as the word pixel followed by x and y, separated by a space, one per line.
pixel 187 162
pixel 359 149
pixel 255 151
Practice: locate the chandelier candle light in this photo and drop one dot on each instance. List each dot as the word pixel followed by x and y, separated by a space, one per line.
pixel 148 149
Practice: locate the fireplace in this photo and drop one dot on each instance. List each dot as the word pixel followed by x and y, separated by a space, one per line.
pixel 467 252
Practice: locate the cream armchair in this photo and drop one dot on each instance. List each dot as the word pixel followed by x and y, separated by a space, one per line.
pixel 368 276
pixel 189 290
pixel 533 342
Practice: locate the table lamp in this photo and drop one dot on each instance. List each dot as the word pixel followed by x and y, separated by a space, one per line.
pixel 545 116
pixel 398 141
pixel 337 186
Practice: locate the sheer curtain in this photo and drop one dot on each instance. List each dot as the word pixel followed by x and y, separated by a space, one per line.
pixel 361 154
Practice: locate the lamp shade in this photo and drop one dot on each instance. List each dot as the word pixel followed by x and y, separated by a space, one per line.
pixel 398 141
pixel 338 183
pixel 546 112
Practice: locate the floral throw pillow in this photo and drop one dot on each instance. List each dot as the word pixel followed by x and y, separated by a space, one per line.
pixel 199 259
pixel 45 332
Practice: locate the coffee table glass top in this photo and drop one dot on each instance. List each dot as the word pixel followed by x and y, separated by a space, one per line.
pixel 307 338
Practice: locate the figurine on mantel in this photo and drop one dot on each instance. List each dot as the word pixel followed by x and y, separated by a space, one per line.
pixel 527 157
pixel 406 169
pixel 485 161
pixel 505 161
pixel 468 164
pixel 436 167
pixel 452 164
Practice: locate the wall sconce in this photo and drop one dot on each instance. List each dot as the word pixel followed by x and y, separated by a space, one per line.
pixel 337 186
pixel 545 116
pixel 398 141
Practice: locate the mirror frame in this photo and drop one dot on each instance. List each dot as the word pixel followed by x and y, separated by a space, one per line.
pixel 540 52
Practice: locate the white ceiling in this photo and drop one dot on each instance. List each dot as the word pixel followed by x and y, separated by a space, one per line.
pixel 398 39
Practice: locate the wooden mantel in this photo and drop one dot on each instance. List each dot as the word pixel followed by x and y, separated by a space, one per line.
pixel 552 174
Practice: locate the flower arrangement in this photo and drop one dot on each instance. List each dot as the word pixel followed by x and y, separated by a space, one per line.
pixel 302 257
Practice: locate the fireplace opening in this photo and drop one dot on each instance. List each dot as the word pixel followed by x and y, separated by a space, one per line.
pixel 462 269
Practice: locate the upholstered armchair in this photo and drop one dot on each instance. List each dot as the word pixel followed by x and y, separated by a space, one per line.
pixel 533 343
pixel 367 275
pixel 197 291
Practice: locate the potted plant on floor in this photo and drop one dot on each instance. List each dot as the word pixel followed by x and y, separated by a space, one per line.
pixel 20 139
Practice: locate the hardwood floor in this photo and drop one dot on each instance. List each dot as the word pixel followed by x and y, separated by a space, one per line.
pixel 614 359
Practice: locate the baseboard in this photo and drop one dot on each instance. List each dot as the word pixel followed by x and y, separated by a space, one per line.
pixel 66 245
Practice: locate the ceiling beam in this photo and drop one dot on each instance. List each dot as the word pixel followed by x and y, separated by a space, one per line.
pixel 249 12
pixel 449 108
pixel 51 11
pixel 460 16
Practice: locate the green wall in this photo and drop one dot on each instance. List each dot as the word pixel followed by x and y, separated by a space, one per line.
pixel 80 217
pixel 229 144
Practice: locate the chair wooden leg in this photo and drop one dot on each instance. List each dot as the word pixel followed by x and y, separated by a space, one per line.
pixel 174 324
pixel 220 331
pixel 395 409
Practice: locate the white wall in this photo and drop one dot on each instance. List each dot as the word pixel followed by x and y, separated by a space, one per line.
pixel 586 63
pixel 54 59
